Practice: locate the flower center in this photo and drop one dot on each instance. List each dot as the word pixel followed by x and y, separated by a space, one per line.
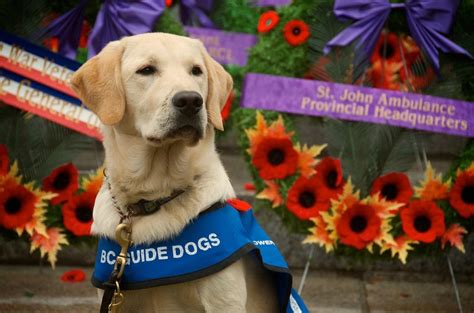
pixel 276 156
pixel 296 31
pixel 307 199
pixel 467 194
pixel 331 179
pixel 422 223
pixel 13 205
pixel 389 51
pixel 268 22
pixel 358 224
pixel 389 191
pixel 62 181
pixel 84 214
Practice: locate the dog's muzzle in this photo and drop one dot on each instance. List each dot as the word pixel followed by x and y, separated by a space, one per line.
pixel 187 103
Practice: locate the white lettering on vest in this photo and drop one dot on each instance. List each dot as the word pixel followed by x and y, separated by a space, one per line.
pixel 111 257
pixel 150 254
pixel 162 253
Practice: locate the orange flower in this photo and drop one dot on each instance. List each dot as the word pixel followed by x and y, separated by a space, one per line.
pixel 261 131
pixel 400 246
pixel 93 182
pixel 320 234
pixel 22 207
pixel 307 158
pixel 454 236
pixel 268 21
pixel 432 187
pixel 49 244
pixel 349 218
pixel 271 193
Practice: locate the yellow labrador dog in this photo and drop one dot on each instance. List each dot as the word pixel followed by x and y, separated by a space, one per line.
pixel 159 98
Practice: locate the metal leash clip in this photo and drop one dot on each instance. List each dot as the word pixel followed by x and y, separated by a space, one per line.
pixel 123 234
pixel 117 299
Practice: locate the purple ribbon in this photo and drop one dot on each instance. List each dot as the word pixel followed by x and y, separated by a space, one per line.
pixel 67 28
pixel 192 10
pixel 428 20
pixel 117 19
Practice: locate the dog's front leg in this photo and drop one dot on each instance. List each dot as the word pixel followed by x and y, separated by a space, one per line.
pixel 224 291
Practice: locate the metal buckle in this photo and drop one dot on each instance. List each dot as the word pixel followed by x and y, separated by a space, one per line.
pixel 124 242
pixel 117 299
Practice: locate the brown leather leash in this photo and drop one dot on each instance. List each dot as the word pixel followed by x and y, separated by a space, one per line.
pixel 113 297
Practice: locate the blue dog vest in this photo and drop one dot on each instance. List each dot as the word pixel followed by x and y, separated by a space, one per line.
pixel 216 239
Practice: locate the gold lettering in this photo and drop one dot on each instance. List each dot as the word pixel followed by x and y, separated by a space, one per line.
pixel 4 82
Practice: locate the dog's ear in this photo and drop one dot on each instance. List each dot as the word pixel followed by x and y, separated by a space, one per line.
pixel 219 87
pixel 98 83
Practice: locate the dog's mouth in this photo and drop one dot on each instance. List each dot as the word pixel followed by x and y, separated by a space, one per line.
pixel 187 132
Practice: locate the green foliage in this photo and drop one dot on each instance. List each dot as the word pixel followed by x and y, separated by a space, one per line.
pixel 22 17
pixel 168 23
pixel 236 16
pixel 37 144
pixel 273 55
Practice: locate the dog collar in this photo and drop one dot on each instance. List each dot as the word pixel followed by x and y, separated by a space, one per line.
pixel 142 207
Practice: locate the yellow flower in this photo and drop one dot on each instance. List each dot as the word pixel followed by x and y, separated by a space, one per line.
pixel 307 158
pixel 36 223
pixel 271 193
pixel 94 181
pixel 454 236
pixel 432 187
pixel 262 131
pixel 49 244
pixel 400 246
pixel 320 235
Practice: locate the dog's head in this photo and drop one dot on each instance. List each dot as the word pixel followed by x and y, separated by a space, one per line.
pixel 158 86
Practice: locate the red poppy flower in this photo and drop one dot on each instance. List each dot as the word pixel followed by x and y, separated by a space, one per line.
pixel 393 187
pixel 275 158
pixel 329 170
pixel 225 113
pixel 168 3
pixel 17 205
pixel 249 187
pixel 63 181
pixel 307 197
pixel 387 49
pixel 4 161
pixel 73 276
pixel 268 21
pixel 423 221
pixel 461 196
pixel 358 226
pixel 239 205
pixel 77 214
pixel 296 32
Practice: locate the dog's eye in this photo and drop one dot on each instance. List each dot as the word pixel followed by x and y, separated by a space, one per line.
pixel 196 70
pixel 147 70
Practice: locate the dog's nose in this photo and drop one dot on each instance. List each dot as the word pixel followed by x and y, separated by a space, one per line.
pixel 187 102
